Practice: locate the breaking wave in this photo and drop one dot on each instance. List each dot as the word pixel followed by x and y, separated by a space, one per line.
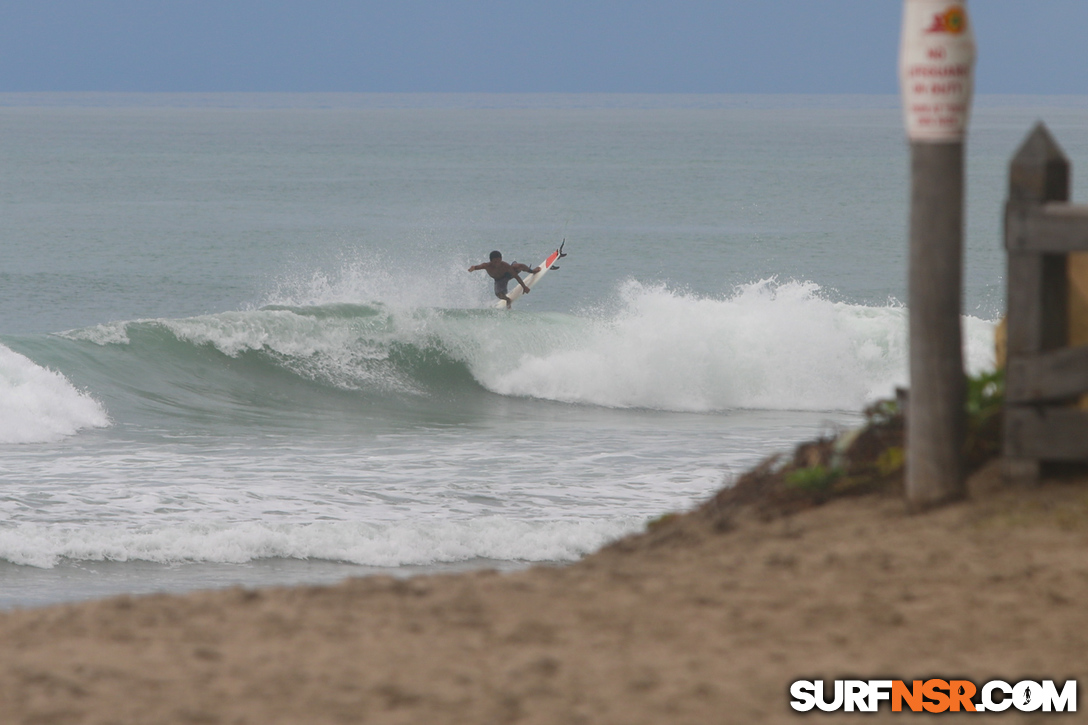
pixel 40 405
pixel 767 345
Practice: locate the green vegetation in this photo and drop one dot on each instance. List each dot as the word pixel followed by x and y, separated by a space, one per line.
pixel 985 394
pixel 873 457
pixel 813 478
pixel 891 460
pixel 662 521
pixel 985 401
pixel 868 460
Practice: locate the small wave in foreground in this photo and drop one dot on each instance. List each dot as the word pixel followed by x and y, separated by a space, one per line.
pixel 373 544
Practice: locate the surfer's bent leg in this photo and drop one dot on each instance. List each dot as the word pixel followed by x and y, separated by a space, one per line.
pixel 501 285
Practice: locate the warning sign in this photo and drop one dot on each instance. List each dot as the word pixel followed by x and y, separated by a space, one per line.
pixel 936 69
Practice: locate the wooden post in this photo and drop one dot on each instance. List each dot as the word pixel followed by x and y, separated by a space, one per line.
pixel 936 76
pixel 1036 304
pixel 935 421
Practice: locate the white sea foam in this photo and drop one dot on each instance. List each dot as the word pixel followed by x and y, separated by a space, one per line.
pixel 109 333
pixel 385 544
pixel 40 405
pixel 367 277
pixel 767 346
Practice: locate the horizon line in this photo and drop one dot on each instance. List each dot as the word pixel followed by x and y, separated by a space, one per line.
pixel 473 100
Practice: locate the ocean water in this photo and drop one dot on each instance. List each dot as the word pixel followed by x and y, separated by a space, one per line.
pixel 239 345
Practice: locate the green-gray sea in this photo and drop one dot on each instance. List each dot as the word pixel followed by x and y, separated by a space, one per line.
pixel 239 344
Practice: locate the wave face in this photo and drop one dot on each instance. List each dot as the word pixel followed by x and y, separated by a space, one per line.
pixel 39 405
pixel 768 345
pixel 368 544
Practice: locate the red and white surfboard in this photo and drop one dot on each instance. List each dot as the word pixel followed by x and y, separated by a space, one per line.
pixel 532 279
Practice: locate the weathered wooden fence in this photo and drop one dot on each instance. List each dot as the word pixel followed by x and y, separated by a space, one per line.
pixel 1044 376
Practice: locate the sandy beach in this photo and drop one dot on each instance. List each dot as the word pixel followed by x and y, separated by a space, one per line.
pixel 705 618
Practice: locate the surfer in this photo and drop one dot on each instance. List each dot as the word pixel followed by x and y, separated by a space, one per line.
pixel 502 272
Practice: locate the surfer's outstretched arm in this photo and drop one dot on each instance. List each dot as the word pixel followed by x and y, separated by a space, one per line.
pixel 524 287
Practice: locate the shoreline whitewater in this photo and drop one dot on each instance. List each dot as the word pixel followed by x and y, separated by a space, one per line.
pixel 703 618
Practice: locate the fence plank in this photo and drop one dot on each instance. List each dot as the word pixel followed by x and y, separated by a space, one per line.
pixel 1038 173
pixel 1049 376
pixel 1049 434
pixel 1036 314
pixel 1053 229
pixel 1037 286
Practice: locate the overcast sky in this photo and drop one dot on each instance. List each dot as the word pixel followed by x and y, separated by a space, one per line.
pixel 640 46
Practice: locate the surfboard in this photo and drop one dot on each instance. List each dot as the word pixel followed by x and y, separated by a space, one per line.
pixel 532 279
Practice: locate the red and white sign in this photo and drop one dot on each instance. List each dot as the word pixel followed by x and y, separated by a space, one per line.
pixel 936 69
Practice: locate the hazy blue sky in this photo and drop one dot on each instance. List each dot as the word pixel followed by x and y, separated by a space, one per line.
pixel 684 46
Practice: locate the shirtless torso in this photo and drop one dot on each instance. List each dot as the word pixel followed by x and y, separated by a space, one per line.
pixel 503 272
